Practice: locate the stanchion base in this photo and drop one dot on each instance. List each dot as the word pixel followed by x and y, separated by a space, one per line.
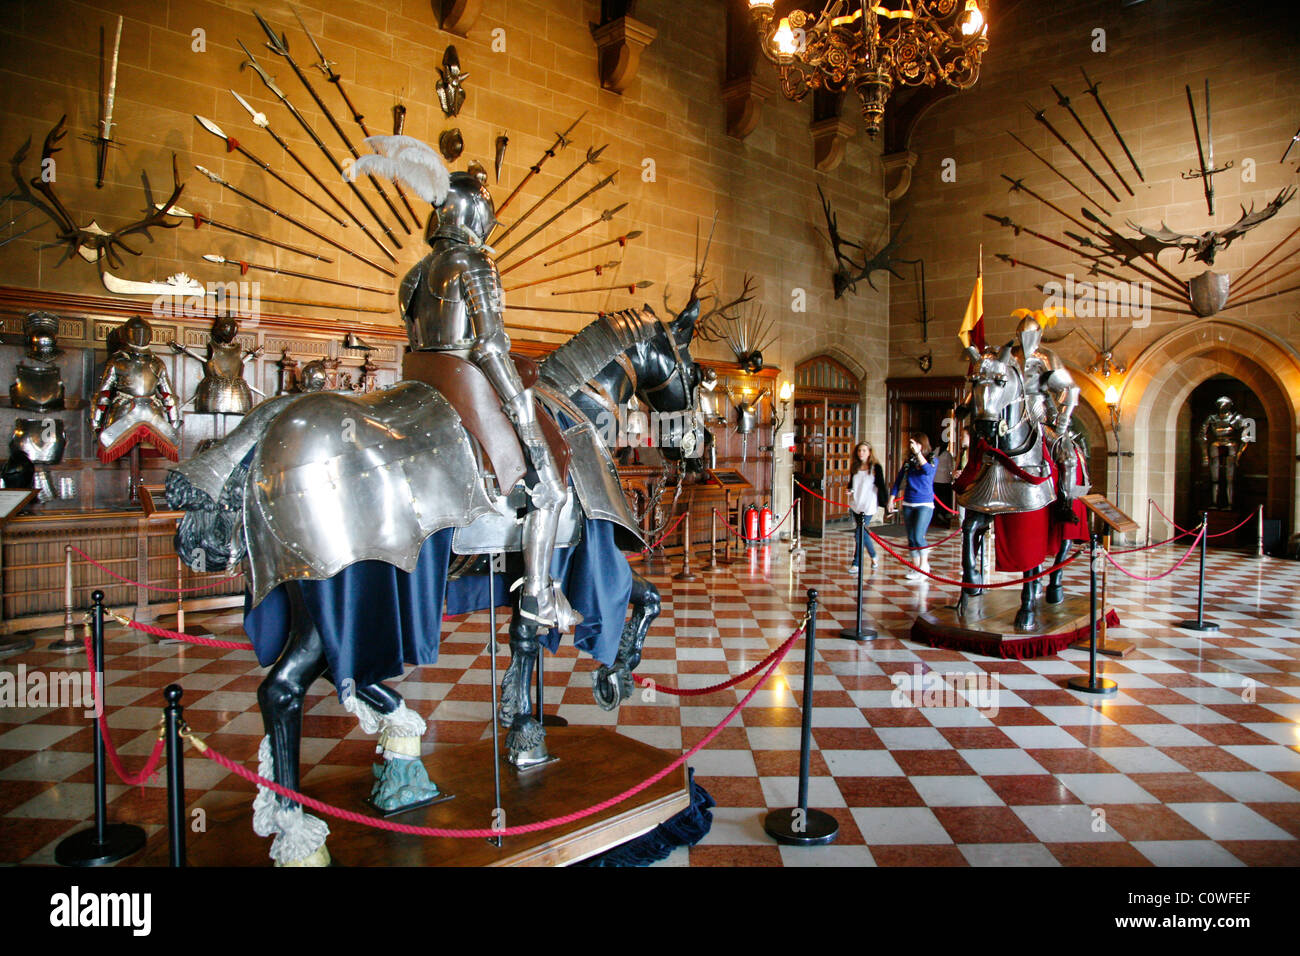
pixel 866 634
pixel 684 576
pixel 814 828
pixel 1197 625
pixel 16 645
pixel 553 720
pixel 1105 687
pixel 66 646
pixel 83 849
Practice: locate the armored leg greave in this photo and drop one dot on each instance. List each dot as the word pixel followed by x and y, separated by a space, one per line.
pixel 542 603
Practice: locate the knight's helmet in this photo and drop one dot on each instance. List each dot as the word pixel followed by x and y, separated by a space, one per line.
pixel 1030 334
pixel 1224 404
pixel 467 214
pixel 224 329
pixel 42 330
pixel 135 333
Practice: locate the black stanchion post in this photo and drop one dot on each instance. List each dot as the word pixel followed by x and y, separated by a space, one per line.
pixel 173 721
pixel 1200 624
pixel 1101 686
pixel 800 826
pixel 858 632
pixel 105 842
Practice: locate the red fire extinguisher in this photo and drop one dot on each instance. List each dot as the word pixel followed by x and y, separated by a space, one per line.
pixel 765 520
pixel 749 524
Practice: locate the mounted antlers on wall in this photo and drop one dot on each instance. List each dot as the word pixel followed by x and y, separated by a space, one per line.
pixel 849 271
pixel 91 242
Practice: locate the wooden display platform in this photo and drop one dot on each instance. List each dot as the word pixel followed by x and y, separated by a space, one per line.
pixel 990 627
pixel 594 764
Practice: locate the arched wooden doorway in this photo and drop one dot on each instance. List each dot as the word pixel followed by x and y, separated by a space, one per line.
pixel 826 400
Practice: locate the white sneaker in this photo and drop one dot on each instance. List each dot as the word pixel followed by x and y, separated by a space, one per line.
pixel 853 569
pixel 912 576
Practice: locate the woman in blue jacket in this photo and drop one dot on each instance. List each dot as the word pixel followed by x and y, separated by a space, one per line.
pixel 916 482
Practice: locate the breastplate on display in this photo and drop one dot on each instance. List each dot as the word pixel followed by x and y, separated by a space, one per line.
pixel 41 439
pixel 38 387
pixel 136 375
pixel 223 388
pixel 1220 432
pixel 1036 397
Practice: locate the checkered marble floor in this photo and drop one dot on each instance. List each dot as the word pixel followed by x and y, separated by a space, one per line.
pixel 1195 761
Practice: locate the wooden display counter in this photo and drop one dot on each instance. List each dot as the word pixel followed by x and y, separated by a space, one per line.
pixel 32 567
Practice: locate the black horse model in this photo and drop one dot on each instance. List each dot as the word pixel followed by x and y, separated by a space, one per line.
pixel 361 520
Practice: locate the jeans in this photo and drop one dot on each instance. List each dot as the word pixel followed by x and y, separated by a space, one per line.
pixel 917 521
pixel 860 540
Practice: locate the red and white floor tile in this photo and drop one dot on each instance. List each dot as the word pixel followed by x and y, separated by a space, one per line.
pixel 1196 761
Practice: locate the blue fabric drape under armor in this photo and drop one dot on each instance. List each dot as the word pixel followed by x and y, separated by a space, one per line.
pixel 374 618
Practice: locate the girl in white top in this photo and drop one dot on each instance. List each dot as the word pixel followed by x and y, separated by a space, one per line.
pixel 867 488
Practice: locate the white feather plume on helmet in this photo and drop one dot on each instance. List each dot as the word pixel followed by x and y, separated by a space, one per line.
pixel 407 160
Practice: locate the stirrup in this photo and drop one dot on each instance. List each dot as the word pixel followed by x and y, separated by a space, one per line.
pixel 549 608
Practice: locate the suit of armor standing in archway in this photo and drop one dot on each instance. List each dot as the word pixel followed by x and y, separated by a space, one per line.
pixel 1222 445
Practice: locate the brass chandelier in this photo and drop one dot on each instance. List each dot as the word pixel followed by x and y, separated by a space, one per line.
pixel 872 47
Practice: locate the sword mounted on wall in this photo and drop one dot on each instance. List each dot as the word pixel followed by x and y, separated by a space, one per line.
pixel 107 95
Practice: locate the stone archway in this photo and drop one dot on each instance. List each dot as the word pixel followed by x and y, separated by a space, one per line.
pixel 1159 383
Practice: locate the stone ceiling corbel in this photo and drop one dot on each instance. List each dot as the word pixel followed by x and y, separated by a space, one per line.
pixel 898 173
pixel 830 130
pixel 742 92
pixel 619 41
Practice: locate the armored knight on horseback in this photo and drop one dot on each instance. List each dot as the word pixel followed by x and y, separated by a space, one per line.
pixel 452 302
pixel 1022 461
pixel 1051 396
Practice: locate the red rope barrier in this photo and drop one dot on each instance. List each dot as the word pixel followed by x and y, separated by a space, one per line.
pixel 1217 534
pixel 650 547
pixel 700 691
pixel 921 548
pixel 137 584
pixel 1220 534
pixel 1138 577
pixel 962 584
pixel 151 762
pixel 1170 520
pixel 951 511
pixel 1156 545
pixel 178 636
pixel 487 832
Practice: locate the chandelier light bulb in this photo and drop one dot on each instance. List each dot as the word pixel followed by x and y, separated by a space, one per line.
pixel 972 20
pixel 1112 396
pixel 787 391
pixel 783 41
